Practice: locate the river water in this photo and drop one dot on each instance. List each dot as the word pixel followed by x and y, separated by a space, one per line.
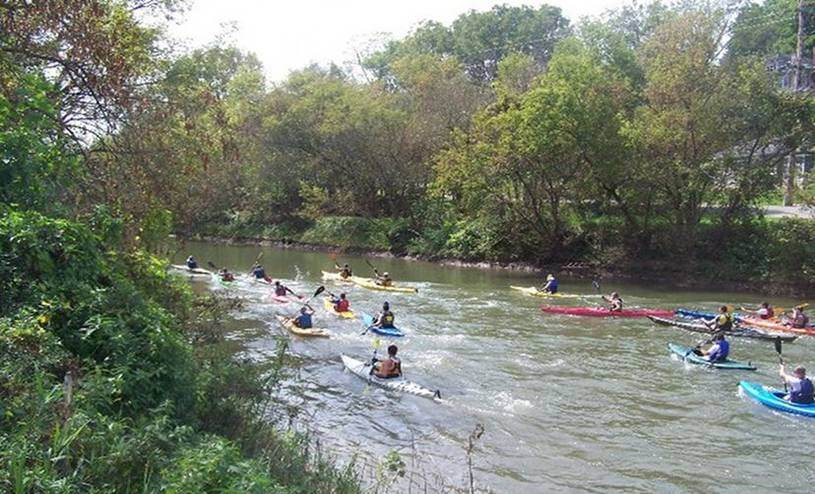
pixel 567 403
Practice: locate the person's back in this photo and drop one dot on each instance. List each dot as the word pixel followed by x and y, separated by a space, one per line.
pixel 384 280
pixel 192 263
pixel 724 321
pixel 390 367
pixel 259 272
pixel 799 319
pixel 342 305
pixel 801 391
pixel 303 320
pixel 346 272
pixel 386 319
pixel 551 285
pixel 279 289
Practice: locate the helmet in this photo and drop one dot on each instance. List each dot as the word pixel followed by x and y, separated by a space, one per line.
pixel 385 274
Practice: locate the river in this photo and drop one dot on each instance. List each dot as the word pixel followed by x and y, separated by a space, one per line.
pixel 567 403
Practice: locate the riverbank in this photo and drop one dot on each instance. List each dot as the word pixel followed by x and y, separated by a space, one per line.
pixel 114 374
pixel 699 276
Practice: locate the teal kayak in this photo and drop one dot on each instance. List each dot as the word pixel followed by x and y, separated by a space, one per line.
pixel 687 354
pixel 774 399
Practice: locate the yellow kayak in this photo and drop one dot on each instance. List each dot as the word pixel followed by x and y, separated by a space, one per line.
pixel 531 290
pixel 288 323
pixel 349 314
pixel 371 285
pixel 327 275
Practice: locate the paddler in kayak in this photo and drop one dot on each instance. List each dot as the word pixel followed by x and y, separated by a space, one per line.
pixel 798 319
pixel 615 302
pixel 385 318
pixel 390 367
pixel 303 321
pixel 765 311
pixel 282 290
pixel 192 263
pixel 384 279
pixel 259 273
pixel 718 351
pixel 551 284
pixel 723 322
pixel 226 275
pixel 345 271
pixel 341 304
pixel 800 387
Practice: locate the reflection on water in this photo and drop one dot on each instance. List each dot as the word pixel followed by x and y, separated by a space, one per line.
pixel 567 403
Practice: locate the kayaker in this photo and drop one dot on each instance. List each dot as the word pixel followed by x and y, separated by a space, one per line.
pixel 258 272
pixel 798 319
pixel 345 271
pixel 551 284
pixel 341 304
pixel 192 263
pixel 281 290
pixel 303 321
pixel 226 275
pixel 384 279
pixel 718 351
pixel 723 322
pixel 385 318
pixel 800 387
pixel 765 311
pixel 615 302
pixel 390 367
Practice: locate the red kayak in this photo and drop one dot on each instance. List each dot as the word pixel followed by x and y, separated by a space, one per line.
pixel 603 312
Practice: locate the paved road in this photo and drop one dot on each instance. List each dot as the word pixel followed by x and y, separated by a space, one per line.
pixel 789 212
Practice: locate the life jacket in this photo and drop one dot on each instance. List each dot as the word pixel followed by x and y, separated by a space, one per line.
pixel 303 321
pixel 619 301
pixel 800 322
pixel 551 286
pixel 346 273
pixel 720 353
pixel 387 319
pixel 394 371
pixel 770 313
pixel 191 263
pixel 342 305
pixel 802 391
pixel 724 322
pixel 280 291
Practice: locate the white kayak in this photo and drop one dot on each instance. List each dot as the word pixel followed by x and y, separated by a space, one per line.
pixel 363 370
pixel 191 272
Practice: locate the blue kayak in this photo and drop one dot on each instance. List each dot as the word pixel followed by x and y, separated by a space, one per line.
pixel 688 355
pixel 368 321
pixel 694 314
pixel 774 399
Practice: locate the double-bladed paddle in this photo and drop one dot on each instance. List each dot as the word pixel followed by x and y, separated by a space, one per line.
pixel 777 343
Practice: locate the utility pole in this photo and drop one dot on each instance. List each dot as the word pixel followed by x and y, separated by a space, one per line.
pixel 789 176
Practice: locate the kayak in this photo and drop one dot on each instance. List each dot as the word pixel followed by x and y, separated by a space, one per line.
pixel 738 332
pixel 603 312
pixel 349 314
pixel 688 355
pixel 281 299
pixel 774 398
pixel 531 290
pixel 750 321
pixel 370 284
pixel 327 275
pixel 288 323
pixel 363 370
pixel 192 272
pixel 775 325
pixel 368 321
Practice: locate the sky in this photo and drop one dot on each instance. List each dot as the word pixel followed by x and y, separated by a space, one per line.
pixel 289 35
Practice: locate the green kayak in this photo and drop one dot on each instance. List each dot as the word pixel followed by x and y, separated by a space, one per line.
pixel 689 356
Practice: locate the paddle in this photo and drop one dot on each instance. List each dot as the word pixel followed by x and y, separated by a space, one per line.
pixel 777 343
pixel 257 260
pixel 366 330
pixel 372 267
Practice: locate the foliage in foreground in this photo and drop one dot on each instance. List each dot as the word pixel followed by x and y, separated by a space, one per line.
pixel 101 389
